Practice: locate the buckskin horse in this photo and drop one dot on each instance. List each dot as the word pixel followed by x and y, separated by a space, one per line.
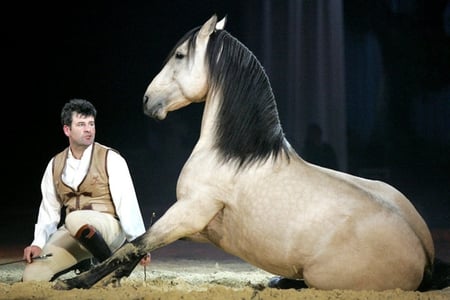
pixel 247 191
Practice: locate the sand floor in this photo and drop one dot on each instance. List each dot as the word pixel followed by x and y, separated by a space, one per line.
pixel 185 271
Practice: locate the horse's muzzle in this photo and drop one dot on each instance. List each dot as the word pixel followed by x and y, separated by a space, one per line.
pixel 155 111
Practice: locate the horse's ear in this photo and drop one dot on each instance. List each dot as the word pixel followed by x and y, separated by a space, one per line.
pixel 208 27
pixel 221 24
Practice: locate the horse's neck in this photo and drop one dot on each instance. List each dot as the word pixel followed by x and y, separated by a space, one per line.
pixel 208 126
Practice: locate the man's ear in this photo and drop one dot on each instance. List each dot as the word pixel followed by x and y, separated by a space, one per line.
pixel 66 130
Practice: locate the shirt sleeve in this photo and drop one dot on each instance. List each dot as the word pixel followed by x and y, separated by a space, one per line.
pixel 49 210
pixel 124 196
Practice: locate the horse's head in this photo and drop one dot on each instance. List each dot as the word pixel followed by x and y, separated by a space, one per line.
pixel 183 79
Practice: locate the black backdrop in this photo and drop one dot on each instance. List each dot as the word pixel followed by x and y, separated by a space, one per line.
pixel 108 52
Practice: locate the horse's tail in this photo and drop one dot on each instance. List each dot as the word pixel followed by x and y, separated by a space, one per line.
pixel 436 277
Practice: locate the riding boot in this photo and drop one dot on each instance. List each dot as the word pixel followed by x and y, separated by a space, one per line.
pixel 94 242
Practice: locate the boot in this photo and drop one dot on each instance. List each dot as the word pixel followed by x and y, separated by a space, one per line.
pixel 94 242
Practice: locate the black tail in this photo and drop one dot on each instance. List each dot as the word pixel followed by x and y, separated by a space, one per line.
pixel 437 278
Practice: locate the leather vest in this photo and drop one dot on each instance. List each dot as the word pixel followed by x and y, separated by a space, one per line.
pixel 93 192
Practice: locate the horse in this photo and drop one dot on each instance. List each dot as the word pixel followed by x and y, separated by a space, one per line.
pixel 247 191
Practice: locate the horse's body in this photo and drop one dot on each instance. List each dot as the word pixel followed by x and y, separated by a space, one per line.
pixel 246 190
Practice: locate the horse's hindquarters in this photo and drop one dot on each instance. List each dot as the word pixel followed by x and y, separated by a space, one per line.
pixel 380 253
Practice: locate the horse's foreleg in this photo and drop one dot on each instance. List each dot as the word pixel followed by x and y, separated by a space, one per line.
pixel 123 261
pixel 122 271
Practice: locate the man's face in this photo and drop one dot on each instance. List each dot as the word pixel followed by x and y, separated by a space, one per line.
pixel 82 130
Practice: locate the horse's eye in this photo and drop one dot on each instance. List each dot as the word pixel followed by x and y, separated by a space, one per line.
pixel 179 55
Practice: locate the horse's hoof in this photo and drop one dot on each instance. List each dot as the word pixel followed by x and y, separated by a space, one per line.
pixel 282 283
pixel 114 282
pixel 61 285
pixel 71 283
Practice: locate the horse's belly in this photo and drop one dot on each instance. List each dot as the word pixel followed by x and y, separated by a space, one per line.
pixel 253 239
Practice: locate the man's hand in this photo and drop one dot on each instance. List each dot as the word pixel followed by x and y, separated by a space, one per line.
pixel 145 261
pixel 32 251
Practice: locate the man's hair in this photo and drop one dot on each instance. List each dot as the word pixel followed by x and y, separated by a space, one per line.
pixel 79 106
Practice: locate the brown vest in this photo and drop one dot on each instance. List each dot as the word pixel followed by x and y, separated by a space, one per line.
pixel 93 192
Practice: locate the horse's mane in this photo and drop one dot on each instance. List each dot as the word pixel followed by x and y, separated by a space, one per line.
pixel 248 126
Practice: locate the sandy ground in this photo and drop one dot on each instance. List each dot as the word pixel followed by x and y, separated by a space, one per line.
pixel 185 271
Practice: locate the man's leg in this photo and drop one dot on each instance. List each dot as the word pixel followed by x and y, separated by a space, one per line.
pixel 66 252
pixel 99 233
pixel 104 224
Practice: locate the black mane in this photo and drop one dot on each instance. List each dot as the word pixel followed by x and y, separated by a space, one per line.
pixel 248 127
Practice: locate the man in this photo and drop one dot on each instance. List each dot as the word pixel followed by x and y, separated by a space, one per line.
pixel 88 192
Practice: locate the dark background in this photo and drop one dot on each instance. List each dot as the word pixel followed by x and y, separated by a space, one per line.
pixel 108 52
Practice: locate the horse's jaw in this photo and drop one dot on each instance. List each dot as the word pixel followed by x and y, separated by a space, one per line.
pixel 156 114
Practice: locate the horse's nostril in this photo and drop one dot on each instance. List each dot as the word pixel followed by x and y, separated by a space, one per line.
pixel 145 99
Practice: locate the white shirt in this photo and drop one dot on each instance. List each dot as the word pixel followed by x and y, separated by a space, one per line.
pixel 120 184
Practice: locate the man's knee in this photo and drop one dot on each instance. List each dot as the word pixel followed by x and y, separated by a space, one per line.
pixel 37 271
